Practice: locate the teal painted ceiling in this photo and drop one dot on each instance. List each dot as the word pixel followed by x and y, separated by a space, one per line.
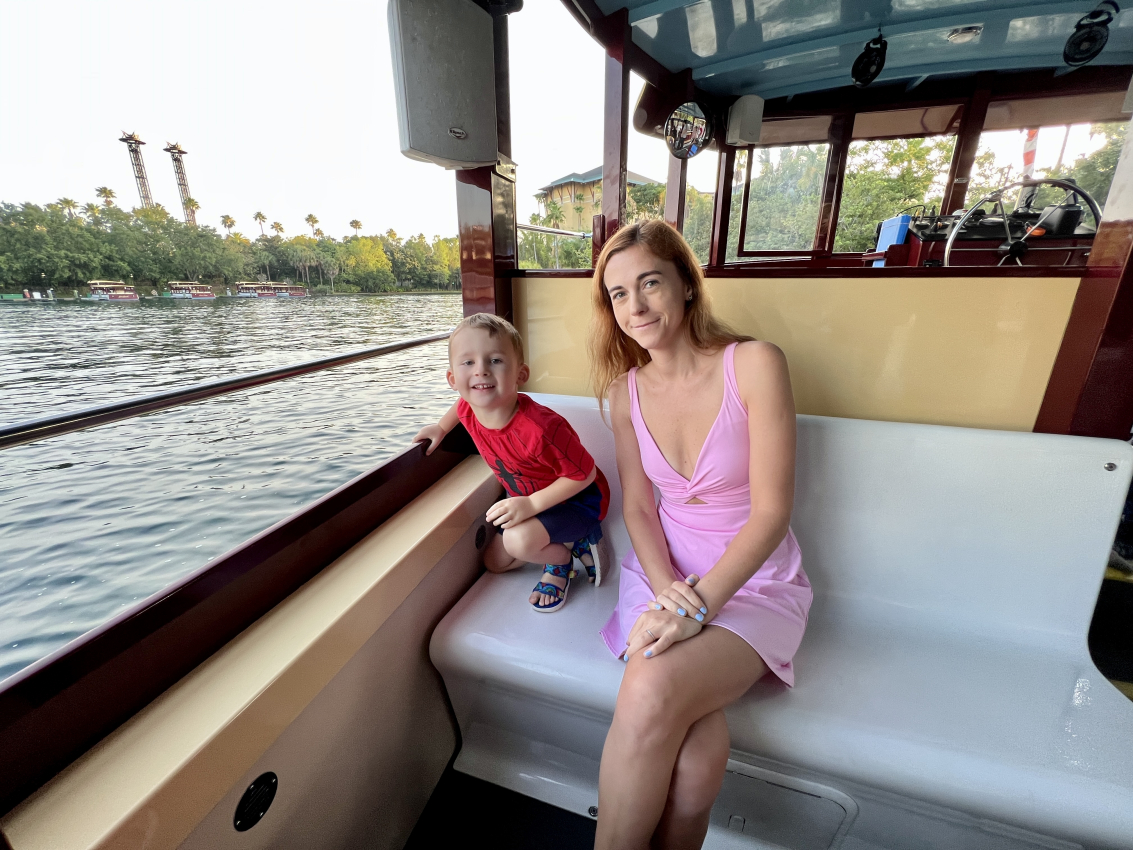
pixel 782 47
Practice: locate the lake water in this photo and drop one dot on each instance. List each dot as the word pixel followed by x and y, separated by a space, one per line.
pixel 95 521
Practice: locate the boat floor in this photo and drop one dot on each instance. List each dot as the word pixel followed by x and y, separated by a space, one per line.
pixel 463 806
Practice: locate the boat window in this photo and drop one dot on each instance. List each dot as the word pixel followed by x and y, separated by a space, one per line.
pixel 885 178
pixel 558 152
pixel 699 194
pixel 1086 153
pixel 783 198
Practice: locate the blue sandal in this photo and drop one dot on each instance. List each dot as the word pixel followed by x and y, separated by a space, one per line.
pixel 598 557
pixel 560 593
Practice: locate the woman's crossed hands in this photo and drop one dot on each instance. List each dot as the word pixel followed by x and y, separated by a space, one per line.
pixel 677 614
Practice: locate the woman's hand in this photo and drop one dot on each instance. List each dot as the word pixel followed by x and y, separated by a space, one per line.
pixel 680 599
pixel 655 631
pixel 433 433
pixel 508 512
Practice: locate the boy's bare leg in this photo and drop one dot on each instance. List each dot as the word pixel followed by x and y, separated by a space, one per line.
pixel 497 559
pixel 529 543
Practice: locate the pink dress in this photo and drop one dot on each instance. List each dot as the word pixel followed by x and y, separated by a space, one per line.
pixel 770 610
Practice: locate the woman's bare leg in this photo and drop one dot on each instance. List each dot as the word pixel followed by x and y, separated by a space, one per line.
pixel 659 701
pixel 697 777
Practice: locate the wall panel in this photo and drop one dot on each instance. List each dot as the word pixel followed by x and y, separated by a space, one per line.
pixel 966 351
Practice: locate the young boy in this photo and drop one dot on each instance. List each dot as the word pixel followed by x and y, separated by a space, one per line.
pixel 557 496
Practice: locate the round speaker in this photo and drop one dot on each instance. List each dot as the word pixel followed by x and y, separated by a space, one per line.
pixel 1085 44
pixel 869 63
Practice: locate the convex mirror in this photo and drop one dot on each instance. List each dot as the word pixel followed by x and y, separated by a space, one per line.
pixel 688 130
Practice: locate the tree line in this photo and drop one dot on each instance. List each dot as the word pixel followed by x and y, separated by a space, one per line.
pixel 64 245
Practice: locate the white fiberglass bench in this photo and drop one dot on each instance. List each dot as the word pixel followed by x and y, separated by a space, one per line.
pixel 945 695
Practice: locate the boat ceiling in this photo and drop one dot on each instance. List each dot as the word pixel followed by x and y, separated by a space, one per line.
pixel 777 48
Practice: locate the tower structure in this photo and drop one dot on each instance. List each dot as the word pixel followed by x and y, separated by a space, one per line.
pixel 177 153
pixel 135 145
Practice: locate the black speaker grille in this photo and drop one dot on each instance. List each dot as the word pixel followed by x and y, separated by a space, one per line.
pixel 255 802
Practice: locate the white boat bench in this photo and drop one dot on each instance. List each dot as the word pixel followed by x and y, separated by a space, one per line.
pixel 945 694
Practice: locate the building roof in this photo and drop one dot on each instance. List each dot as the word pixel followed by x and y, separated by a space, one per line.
pixel 632 177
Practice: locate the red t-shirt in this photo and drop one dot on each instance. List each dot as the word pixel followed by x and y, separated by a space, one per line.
pixel 533 450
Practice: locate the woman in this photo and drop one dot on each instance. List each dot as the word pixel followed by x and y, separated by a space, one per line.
pixel 712 594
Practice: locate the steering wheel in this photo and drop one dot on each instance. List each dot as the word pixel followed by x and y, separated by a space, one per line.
pixel 1016 247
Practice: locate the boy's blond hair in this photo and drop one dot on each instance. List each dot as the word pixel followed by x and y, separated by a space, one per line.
pixel 495 326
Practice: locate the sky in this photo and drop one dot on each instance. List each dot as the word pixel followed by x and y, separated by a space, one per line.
pixel 288 108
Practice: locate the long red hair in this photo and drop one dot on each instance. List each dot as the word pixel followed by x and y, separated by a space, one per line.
pixel 612 352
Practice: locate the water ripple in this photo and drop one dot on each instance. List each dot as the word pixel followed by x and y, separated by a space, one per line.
pixel 97 520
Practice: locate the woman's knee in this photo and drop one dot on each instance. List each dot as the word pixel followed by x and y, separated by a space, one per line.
pixel 650 704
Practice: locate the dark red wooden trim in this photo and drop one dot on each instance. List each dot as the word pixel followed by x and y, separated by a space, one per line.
pixel 675 187
pixel 722 208
pixel 553 274
pixel 741 238
pixel 597 238
pixel 964 154
pixel 479 284
pixel 55 710
pixel 838 153
pixel 850 272
pixel 1105 405
pixel 615 127
pixel 854 272
pixel 1092 305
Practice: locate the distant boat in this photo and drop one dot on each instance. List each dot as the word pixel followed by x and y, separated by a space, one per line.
pixel 290 290
pixel 110 290
pixel 254 289
pixel 190 289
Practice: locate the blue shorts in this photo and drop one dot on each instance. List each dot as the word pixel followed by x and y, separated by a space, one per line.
pixel 575 519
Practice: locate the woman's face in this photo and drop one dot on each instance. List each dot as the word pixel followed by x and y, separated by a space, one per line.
pixel 648 296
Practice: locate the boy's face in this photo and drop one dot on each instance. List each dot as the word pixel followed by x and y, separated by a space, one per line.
pixel 484 369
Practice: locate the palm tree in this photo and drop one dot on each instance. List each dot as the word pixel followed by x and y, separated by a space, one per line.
pixel 312 221
pixel 260 218
pixel 319 233
pixel 68 206
pixel 107 195
pixel 554 218
pixel 356 225
pixel 227 222
pixel 277 227
pixel 90 210
pixel 191 204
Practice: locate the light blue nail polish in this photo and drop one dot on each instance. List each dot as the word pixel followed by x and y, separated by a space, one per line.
pixel 682 612
pixel 658 607
pixel 649 653
pixel 703 610
pixel 700 618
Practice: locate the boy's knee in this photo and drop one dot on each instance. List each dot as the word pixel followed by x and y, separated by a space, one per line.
pixel 523 539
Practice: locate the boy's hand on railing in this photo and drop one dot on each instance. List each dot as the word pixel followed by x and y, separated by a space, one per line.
pixel 433 433
pixel 508 512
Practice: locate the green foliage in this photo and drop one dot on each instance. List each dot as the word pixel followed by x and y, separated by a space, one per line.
pixel 645 201
pixel 885 177
pixel 63 245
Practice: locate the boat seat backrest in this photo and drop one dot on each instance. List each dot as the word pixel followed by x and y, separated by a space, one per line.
pixel 967 528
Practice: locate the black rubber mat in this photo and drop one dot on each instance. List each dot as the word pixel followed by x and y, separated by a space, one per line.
pixel 466 810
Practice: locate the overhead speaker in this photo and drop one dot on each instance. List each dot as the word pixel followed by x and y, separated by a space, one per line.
pixel 745 120
pixel 869 62
pixel 444 77
pixel 1090 35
